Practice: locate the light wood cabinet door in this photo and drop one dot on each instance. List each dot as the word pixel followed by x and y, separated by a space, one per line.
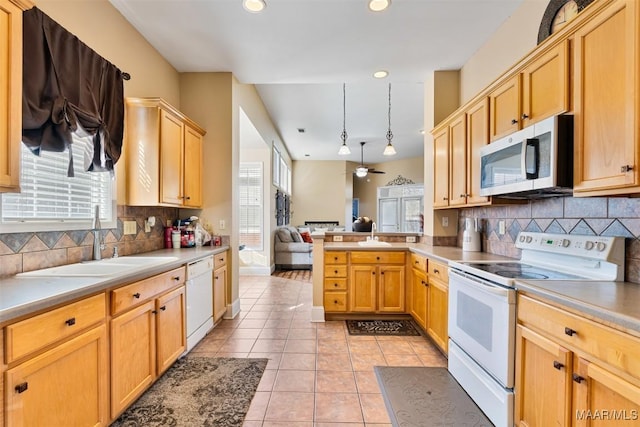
pixel 543 381
pixel 171 159
pixel 545 85
pixel 504 108
pixel 458 161
pixel 65 386
pixel 192 167
pixel 477 137
pixel 419 297
pixel 391 289
pixel 170 328
pixel 133 355
pixel 596 390
pixel 441 168
pixel 11 95
pixel 606 102
pixel 362 288
pixel 219 293
pixel 437 312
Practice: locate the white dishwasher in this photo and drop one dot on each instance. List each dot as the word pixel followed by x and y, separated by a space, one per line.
pixel 199 300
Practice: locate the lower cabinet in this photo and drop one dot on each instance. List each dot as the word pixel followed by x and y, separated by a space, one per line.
pixel 437 304
pixel 65 386
pixel 148 338
pixel 572 371
pixel 419 290
pixel 377 282
pixel 220 282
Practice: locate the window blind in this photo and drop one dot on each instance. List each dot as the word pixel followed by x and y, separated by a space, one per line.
pixel 48 195
pixel 251 211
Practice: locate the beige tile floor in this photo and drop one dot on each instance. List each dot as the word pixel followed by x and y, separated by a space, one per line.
pixel 318 375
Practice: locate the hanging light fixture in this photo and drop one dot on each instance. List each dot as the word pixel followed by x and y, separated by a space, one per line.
pixel 344 148
pixel 389 150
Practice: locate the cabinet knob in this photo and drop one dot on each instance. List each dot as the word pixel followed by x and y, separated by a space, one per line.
pixel 445 198
pixel 335 284
pixel 216 277
pixel 187 198
pixel 176 278
pixel 335 271
pixel 514 121
pixel 557 365
pixel 163 308
pixel 136 295
pixel 70 322
pixel 335 258
pixel 22 387
pixel 570 332
pixel 525 116
pixel 626 168
pixel 373 273
pixel 377 258
pixel 335 301
pixel 154 311
pixel 436 271
pixel 463 195
pixel 577 378
pixel 382 273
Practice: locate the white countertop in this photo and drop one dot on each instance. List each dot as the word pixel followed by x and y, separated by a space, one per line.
pixel 20 295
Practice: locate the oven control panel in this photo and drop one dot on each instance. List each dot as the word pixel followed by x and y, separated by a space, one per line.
pixel 597 247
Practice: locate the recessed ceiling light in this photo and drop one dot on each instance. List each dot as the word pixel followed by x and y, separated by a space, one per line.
pixel 254 6
pixel 380 74
pixel 379 5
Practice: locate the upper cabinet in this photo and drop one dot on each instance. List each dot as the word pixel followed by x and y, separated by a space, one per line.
pixel 11 95
pixel 539 91
pixel 164 155
pixel 606 102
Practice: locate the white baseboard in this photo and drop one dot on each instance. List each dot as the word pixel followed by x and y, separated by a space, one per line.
pixel 255 271
pixel 232 309
pixel 317 313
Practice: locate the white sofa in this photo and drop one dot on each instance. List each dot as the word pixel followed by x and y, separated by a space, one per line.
pixel 291 253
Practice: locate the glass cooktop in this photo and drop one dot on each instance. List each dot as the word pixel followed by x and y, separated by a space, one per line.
pixel 516 270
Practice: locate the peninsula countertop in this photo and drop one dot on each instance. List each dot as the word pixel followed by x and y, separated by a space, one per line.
pixel 24 295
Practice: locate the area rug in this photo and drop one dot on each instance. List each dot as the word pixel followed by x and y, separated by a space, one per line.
pixel 426 397
pixel 198 391
pixel 382 327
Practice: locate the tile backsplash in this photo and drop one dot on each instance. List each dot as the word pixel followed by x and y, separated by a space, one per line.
pixel 596 216
pixel 21 252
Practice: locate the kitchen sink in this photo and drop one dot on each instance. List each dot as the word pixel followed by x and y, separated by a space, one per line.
pixel 373 243
pixel 102 268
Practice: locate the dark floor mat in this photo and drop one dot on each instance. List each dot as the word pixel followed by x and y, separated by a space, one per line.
pixel 426 397
pixel 382 327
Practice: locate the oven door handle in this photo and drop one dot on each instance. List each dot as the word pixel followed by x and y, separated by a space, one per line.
pixel 486 286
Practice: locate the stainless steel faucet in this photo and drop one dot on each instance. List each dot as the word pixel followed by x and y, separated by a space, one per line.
pixel 373 228
pixel 98 243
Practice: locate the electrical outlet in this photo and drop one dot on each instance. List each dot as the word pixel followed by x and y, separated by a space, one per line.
pixel 222 224
pixel 502 227
pixel 411 239
pixel 130 227
pixel 147 227
pixel 445 221
pixel 337 238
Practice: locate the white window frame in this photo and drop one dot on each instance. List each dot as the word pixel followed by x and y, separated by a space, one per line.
pixel 62 224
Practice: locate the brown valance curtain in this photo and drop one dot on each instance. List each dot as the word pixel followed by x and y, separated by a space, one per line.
pixel 68 88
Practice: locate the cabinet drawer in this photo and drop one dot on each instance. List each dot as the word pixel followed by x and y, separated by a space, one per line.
pixel 220 260
pixel 335 271
pixel 335 301
pixel 419 262
pixel 47 328
pixel 335 257
pixel 616 348
pixel 335 284
pixel 373 257
pixel 136 293
pixel 438 270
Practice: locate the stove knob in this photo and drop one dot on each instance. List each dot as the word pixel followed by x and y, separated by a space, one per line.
pixel 566 243
pixel 529 239
pixel 522 238
pixel 601 246
pixel 588 245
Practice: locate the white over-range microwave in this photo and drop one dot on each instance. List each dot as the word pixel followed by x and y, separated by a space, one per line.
pixel 536 161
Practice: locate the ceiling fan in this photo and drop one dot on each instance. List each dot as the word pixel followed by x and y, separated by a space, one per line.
pixel 362 171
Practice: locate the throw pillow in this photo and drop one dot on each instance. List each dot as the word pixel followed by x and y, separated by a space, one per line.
pixel 284 235
pixel 306 237
pixel 304 229
pixel 296 236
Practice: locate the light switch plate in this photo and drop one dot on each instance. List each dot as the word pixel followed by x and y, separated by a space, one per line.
pixel 445 221
pixel 411 239
pixel 130 227
pixel 337 238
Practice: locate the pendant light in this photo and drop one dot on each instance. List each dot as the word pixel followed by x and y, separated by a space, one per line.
pixel 344 148
pixel 389 150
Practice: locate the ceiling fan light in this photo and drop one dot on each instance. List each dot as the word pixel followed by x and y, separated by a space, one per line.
pixel 344 150
pixel 389 150
pixel 378 5
pixel 254 6
pixel 361 172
